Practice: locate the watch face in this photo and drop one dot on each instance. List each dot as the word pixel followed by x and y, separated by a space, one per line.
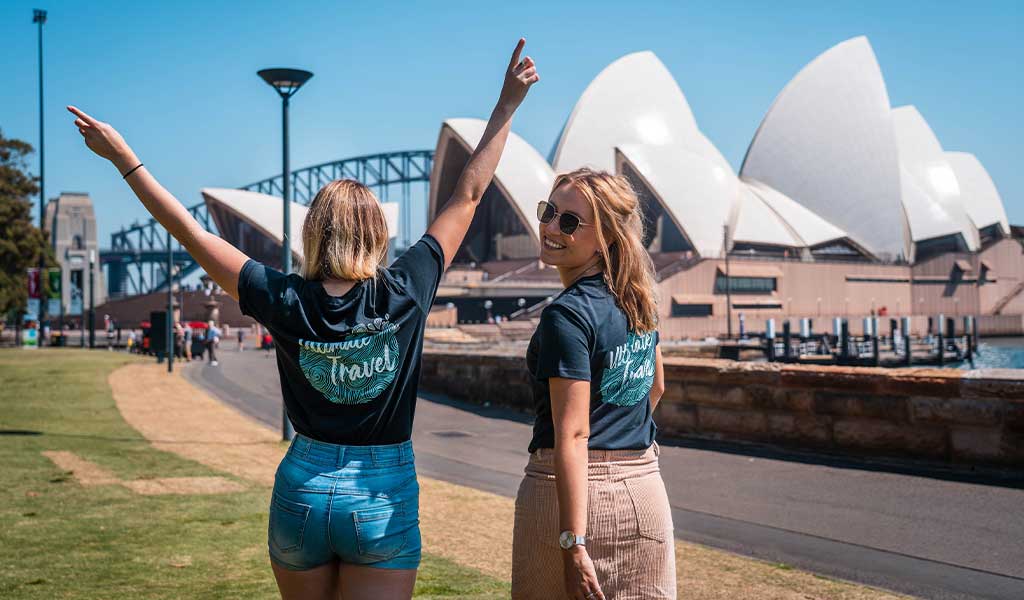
pixel 565 540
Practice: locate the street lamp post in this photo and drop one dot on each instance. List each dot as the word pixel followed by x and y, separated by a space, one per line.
pixel 92 301
pixel 170 304
pixel 39 17
pixel 728 288
pixel 286 82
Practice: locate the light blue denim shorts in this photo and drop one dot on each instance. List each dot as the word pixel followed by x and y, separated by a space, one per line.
pixel 356 504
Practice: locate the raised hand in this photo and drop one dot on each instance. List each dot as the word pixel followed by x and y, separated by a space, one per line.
pixel 101 138
pixel 520 75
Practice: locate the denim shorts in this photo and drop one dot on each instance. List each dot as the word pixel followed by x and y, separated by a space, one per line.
pixel 356 504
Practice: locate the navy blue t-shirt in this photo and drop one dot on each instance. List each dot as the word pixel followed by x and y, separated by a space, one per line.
pixel 584 335
pixel 349 365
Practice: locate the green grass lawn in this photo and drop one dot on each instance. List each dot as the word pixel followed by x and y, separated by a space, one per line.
pixel 61 540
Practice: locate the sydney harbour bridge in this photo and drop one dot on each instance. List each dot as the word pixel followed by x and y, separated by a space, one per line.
pixel 137 260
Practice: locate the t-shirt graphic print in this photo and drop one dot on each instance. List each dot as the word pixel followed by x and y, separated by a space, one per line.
pixel 356 370
pixel 629 371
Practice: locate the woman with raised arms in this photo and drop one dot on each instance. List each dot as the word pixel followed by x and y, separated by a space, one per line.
pixel 348 333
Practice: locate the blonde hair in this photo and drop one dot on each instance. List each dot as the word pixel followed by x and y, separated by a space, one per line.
pixel 345 235
pixel 619 226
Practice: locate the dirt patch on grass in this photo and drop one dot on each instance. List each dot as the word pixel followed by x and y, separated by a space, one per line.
pixel 467 526
pixel 88 473
pixel 183 485
pixel 177 417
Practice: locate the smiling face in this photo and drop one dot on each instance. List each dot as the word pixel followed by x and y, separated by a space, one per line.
pixel 569 251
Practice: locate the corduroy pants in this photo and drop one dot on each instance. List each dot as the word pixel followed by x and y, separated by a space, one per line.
pixel 629 528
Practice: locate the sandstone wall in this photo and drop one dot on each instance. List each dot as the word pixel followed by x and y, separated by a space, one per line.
pixel 938 414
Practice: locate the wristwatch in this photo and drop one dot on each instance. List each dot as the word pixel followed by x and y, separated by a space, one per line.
pixel 568 539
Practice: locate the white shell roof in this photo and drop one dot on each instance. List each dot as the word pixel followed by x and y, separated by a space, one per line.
pixel 264 212
pixel 926 217
pixel 522 173
pixel 633 101
pixel 922 158
pixel 827 142
pixel 810 229
pixel 697 193
pixel 757 223
pixel 977 190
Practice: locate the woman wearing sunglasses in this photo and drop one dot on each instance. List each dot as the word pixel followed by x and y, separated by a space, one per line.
pixel 592 516
pixel 344 511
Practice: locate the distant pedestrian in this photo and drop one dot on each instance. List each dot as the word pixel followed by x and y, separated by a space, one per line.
pixel 241 338
pixel 188 342
pixel 212 341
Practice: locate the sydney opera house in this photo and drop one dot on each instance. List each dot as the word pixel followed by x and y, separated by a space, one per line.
pixel 844 206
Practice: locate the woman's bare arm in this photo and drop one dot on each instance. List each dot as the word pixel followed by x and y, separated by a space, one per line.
pixel 658 387
pixel 570 412
pixel 222 261
pixel 450 226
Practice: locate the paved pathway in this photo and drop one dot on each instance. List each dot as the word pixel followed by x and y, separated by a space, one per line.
pixel 932 534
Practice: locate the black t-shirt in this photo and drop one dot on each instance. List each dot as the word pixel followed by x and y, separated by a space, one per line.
pixel 350 365
pixel 584 335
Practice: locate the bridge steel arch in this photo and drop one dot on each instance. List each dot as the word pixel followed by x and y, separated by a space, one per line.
pixel 136 261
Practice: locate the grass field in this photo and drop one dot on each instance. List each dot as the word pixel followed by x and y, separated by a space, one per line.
pixel 63 540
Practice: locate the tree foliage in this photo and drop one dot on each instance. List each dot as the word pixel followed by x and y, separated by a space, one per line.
pixel 20 240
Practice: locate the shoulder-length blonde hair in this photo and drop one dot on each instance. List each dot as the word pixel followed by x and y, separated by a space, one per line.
pixel 619 226
pixel 345 235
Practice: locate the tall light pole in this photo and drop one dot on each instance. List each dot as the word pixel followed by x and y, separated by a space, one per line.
pixel 728 287
pixel 286 82
pixel 39 16
pixel 170 303
pixel 92 301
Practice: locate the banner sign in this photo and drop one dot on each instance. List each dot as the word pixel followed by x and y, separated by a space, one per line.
pixel 34 288
pixel 75 307
pixel 53 307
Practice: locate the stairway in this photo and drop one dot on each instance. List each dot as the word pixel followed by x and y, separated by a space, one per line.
pixel 998 308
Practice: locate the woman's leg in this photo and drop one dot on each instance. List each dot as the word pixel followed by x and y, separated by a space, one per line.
pixel 320 583
pixel 356 582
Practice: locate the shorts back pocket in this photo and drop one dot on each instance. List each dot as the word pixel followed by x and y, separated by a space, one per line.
pixel 287 523
pixel 382 531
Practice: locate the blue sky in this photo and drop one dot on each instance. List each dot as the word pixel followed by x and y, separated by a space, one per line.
pixel 178 79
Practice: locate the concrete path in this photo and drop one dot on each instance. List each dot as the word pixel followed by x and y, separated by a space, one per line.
pixel 934 534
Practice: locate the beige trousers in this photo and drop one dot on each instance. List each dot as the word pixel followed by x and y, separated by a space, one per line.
pixel 629 528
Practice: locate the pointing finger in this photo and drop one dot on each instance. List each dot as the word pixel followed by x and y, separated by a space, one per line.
pixel 518 50
pixel 78 113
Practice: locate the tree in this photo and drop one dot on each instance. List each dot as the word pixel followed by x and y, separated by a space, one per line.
pixel 20 240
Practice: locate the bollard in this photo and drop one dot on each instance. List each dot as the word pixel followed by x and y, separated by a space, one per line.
pixel 786 341
pixel 769 334
pixel 844 341
pixel 967 332
pixel 805 328
pixel 906 340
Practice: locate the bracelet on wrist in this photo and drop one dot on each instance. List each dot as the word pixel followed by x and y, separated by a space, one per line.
pixel 130 171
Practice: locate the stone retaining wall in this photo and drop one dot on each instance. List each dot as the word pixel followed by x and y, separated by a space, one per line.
pixel 939 414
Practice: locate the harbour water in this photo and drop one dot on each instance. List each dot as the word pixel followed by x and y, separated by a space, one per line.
pixel 998 353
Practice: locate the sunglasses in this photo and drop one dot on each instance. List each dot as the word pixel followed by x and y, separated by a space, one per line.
pixel 568 223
